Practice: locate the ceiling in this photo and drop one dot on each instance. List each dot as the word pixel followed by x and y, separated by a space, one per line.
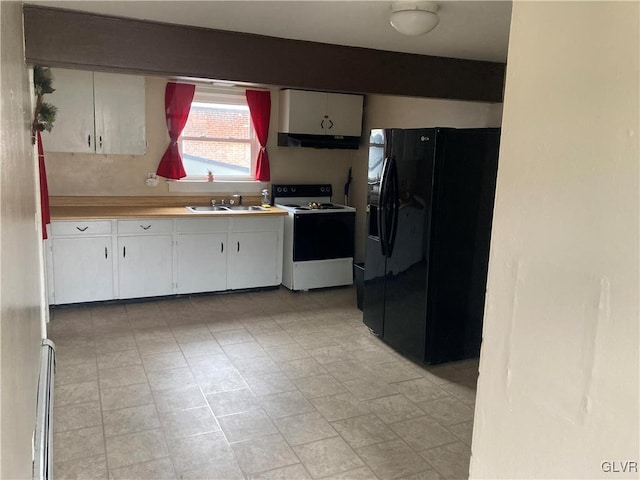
pixel 475 30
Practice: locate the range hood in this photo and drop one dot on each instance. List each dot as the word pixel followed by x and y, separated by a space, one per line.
pixel 317 141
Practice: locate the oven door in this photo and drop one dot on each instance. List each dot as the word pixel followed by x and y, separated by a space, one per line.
pixel 323 236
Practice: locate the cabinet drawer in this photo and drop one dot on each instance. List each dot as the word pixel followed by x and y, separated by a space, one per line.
pixel 80 228
pixel 145 225
pixel 213 225
pixel 256 224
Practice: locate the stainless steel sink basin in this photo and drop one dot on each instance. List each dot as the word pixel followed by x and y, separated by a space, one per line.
pixel 207 209
pixel 225 208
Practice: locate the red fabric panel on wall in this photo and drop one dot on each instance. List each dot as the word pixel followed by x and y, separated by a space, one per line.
pixel 260 107
pixel 44 189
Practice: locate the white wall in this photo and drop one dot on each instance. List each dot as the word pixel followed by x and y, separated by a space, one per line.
pixel 19 255
pixel 558 385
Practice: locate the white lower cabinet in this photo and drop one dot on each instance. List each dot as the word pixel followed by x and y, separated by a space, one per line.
pixel 82 269
pixel 145 265
pixel 255 253
pixel 201 253
pixel 109 259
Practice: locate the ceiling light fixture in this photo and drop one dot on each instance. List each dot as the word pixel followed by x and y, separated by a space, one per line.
pixel 414 18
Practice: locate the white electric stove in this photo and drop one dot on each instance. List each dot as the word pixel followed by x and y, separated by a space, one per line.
pixel 318 237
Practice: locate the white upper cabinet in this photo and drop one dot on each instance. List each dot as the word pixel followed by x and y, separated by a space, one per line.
pixel 320 113
pixel 97 113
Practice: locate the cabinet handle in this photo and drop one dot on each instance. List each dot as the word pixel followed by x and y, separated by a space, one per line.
pixel 106 255
pixel 238 246
pixel 124 252
pixel 145 228
pixel 221 247
pixel 330 124
pixel 322 124
pixel 82 229
pixel 89 140
pixel 100 138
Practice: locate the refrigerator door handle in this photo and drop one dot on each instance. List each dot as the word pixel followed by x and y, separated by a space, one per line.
pixel 394 204
pixel 382 207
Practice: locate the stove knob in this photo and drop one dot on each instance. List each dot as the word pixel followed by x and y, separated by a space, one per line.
pixel 279 189
pixel 293 189
pixel 285 189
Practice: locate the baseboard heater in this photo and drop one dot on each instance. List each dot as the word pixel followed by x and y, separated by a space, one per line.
pixel 43 441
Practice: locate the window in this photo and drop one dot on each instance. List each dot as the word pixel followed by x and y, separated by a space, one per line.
pixel 218 137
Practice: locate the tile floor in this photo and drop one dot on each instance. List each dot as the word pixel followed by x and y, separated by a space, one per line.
pixel 261 385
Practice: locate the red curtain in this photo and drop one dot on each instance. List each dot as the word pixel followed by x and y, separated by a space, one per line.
pixel 260 107
pixel 44 189
pixel 177 103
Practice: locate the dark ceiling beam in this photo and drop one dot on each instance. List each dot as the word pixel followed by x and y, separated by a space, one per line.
pixel 65 38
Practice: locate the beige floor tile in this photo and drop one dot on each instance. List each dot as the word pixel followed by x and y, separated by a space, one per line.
pixel 447 411
pixel 364 430
pixel 279 405
pixel 261 365
pixel 222 325
pixel 122 376
pixel 395 408
pixel 464 393
pixel 430 474
pixel 161 469
pixel 171 379
pixel 153 334
pixel 222 381
pixel 373 356
pixel 76 444
pixel 421 390
pixel 451 461
pixel 234 401
pixel 272 339
pixel 291 472
pixel 149 347
pixel 308 427
pixel 78 373
pixel 247 425
pixel 398 371
pixel 187 423
pixel 75 355
pixel 163 361
pixel 179 399
pixel 314 340
pixel 130 420
pixel 422 433
pixel 304 367
pixel 286 353
pixel 122 358
pixel 186 334
pixel 231 337
pixel 269 383
pixel 338 407
pixel 76 393
pixel 116 342
pixel 361 473
pixel 350 370
pixel 331 354
pixel 243 350
pixel 464 431
pixel 393 459
pixel 201 348
pixel 127 396
pixel 136 448
pixel 149 321
pixel 327 457
pixel 203 366
pixel 264 453
pixel 319 386
pixel 72 417
pixel 193 455
pixel 261 325
pixel 94 468
pixel 368 388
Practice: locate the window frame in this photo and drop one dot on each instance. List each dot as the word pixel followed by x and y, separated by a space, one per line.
pixel 211 96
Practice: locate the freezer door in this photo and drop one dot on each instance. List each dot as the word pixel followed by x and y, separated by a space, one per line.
pixel 405 309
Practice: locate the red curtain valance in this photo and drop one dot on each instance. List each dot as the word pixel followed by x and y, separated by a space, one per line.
pixel 177 103
pixel 44 189
pixel 260 107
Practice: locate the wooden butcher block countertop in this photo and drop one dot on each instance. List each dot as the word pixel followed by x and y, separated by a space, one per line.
pixel 76 208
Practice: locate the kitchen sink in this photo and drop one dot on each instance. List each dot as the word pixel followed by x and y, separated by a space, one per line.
pixel 226 208
pixel 207 209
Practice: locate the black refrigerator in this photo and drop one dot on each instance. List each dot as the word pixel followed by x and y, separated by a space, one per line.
pixel 429 212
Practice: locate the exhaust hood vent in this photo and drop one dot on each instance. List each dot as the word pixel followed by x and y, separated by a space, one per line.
pixel 318 141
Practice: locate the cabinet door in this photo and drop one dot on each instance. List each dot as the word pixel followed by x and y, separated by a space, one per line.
pixel 73 129
pixel 345 114
pixel 202 262
pixel 119 114
pixel 82 269
pixel 253 260
pixel 145 266
pixel 307 112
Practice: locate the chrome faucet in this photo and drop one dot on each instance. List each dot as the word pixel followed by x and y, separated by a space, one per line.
pixel 235 198
pixel 213 202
